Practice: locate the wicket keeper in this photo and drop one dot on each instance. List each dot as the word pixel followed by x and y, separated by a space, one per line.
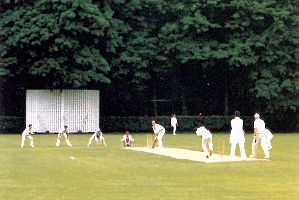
pixel 127 139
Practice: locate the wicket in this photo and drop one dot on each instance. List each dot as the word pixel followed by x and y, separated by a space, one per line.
pixel 149 140
pixel 220 147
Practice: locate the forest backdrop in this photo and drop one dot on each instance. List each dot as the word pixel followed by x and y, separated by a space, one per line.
pixel 154 57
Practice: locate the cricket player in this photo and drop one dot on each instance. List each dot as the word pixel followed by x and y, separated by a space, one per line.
pixel 237 136
pixel 269 137
pixel 159 132
pixel 97 134
pixel 174 123
pixel 206 137
pixel 259 135
pixel 127 139
pixel 27 133
pixel 65 133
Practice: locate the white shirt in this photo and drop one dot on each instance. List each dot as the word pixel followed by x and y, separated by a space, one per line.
pixel 237 124
pixel 63 131
pixel 173 121
pixel 259 124
pixel 125 137
pixel 237 132
pixel 203 132
pixel 27 131
pixel 158 128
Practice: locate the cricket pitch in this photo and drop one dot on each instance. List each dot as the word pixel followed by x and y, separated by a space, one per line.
pixel 191 155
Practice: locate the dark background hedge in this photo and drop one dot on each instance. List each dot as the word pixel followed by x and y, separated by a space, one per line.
pixel 276 124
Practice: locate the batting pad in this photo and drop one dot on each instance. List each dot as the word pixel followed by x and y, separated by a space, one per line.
pixel 187 154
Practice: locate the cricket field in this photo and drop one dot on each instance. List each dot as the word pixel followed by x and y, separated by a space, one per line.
pixel 112 173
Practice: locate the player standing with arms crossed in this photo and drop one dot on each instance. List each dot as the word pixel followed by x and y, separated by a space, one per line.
pixel 159 132
pixel 206 137
pixel 237 136
pixel 27 133
pixel 65 133
pixel 259 135
pixel 174 123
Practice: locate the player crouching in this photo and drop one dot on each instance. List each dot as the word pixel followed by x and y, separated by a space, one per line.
pixel 27 133
pixel 97 134
pixel 127 139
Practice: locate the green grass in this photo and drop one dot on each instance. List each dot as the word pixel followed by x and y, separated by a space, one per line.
pixel 48 172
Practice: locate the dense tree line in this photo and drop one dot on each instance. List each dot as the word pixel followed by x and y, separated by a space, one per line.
pixel 156 57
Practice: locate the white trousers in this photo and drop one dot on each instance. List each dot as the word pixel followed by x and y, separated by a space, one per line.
pixel 66 140
pixel 233 150
pixel 204 145
pixel 264 142
pixel 174 129
pixel 159 138
pixel 29 137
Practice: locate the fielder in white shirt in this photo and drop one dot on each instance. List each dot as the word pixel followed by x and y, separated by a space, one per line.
pixel 127 139
pixel 159 132
pixel 27 133
pixel 97 134
pixel 237 136
pixel 259 135
pixel 65 133
pixel 206 137
pixel 174 123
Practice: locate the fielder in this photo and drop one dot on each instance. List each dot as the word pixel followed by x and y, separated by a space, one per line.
pixel 127 139
pixel 237 136
pixel 269 137
pixel 259 135
pixel 174 123
pixel 65 133
pixel 206 137
pixel 97 134
pixel 159 132
pixel 27 133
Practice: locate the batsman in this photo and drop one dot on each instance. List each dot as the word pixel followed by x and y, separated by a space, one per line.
pixel 159 132
pixel 259 135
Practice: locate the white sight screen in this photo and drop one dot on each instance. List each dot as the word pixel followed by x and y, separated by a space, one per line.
pixel 50 110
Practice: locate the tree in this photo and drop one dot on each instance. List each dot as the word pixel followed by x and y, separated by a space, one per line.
pixel 58 43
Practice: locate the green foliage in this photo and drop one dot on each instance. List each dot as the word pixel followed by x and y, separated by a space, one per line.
pixel 211 56
pixel 9 124
pixel 188 123
pixel 58 39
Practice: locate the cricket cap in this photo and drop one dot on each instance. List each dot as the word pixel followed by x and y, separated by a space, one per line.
pixel 256 115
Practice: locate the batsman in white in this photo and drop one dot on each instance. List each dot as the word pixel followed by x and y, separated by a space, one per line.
pixel 64 131
pixel 259 135
pixel 237 136
pixel 127 139
pixel 269 137
pixel 27 133
pixel 206 137
pixel 174 123
pixel 97 134
pixel 159 132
